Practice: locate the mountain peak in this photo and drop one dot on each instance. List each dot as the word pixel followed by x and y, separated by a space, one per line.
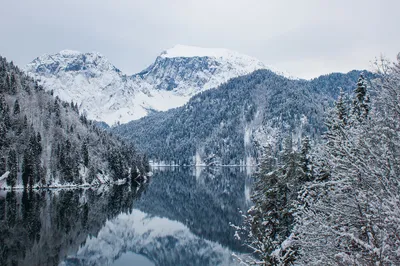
pixel 70 60
pixel 180 50
pixel 69 53
pixel 106 94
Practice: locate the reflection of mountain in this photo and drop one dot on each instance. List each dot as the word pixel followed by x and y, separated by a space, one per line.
pixel 41 228
pixel 181 218
pixel 163 241
pixel 205 203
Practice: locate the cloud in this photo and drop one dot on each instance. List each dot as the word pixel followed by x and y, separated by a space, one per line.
pixel 307 38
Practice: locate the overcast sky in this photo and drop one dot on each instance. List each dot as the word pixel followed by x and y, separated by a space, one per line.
pixel 305 38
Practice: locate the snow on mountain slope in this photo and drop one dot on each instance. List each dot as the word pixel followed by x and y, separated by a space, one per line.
pixel 192 51
pixel 104 93
pixel 85 78
pixel 188 70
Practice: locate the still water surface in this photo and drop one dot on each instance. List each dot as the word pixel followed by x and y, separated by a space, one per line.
pixel 181 217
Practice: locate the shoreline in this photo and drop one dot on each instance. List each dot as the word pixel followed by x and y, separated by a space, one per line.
pixel 75 186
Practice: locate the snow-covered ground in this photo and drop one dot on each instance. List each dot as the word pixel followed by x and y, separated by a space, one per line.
pixel 100 181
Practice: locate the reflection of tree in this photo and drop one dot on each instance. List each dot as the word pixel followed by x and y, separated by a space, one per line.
pixel 41 228
pixel 206 204
pixel 31 205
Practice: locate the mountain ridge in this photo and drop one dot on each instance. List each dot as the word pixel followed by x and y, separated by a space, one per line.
pixel 106 94
pixel 227 125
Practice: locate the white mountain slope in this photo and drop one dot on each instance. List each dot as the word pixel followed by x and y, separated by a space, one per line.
pixel 104 93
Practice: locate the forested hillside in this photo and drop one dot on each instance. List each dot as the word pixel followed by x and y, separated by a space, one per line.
pixel 228 124
pixel 44 141
pixel 335 202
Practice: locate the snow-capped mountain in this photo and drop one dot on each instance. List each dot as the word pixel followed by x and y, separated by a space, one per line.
pixel 187 70
pixel 88 79
pixel 106 94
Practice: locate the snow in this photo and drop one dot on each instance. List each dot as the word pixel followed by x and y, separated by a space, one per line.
pixel 197 170
pixel 247 193
pixel 102 179
pixel 4 176
pixel 250 161
pixel 247 136
pixel 192 51
pixel 120 181
pixel 67 53
pixel 106 94
pixel 54 185
pixel 198 160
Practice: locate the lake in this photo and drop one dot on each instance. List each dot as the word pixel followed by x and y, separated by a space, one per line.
pixel 180 217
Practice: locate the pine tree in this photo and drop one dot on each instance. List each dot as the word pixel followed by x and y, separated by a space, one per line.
pixel 27 169
pixel 337 120
pixel 261 219
pixel 3 104
pixel 361 100
pixel 3 135
pixel 13 84
pixel 85 153
pixel 115 161
pixel 341 109
pixel 305 161
pixel 57 111
pixel 67 162
pixel 134 173
pixel 17 109
pixel 35 148
pixel 38 140
pixel 12 167
pixel 91 175
pixel 271 218
pixel 145 163
pixel 4 112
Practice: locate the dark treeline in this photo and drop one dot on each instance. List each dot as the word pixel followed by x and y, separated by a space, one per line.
pixel 45 141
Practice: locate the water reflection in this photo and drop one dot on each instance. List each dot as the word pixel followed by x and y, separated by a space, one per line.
pixel 162 241
pixel 43 227
pixel 180 218
pixel 205 202
pixel 132 259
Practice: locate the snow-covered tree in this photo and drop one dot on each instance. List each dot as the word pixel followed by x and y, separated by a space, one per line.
pixel 12 168
pixel 268 227
pixel 16 108
pixel 352 217
pixel 361 100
